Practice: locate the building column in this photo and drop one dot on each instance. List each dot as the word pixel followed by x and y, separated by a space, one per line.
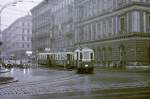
pixel 117 24
pixel 144 22
pixel 112 28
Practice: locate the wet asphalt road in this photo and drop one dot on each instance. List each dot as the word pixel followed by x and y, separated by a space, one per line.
pixel 41 83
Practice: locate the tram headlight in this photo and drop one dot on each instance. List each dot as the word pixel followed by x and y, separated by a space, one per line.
pixel 86 65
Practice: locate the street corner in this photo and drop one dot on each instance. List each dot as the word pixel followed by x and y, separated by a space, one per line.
pixel 6 80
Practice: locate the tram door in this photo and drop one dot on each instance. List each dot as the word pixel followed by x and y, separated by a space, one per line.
pixel 149 54
pixel 49 63
pixel 68 59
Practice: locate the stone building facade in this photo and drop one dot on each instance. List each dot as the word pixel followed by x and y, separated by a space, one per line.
pixel 117 30
pixel 63 26
pixel 17 39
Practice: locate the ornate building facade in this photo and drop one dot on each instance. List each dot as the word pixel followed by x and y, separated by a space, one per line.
pixel 118 30
pixel 63 26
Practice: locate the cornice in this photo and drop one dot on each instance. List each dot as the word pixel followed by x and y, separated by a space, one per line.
pixel 119 37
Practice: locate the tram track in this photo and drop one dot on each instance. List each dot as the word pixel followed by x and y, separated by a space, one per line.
pixel 123 93
pixel 49 81
pixel 65 83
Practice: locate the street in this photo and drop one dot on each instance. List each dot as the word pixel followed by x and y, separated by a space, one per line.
pixel 42 82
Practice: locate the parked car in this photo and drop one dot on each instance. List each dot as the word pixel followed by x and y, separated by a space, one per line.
pixel 24 66
pixel 9 65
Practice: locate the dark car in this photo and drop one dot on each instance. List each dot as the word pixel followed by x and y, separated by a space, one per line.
pixel 8 65
pixel 23 66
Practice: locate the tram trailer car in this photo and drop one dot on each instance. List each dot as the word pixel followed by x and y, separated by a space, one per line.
pixel 60 59
pixel 45 58
pixel 64 59
pixel 84 60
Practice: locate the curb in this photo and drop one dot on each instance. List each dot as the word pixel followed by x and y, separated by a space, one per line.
pixel 11 81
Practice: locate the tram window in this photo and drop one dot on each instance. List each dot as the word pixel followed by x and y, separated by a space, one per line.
pixel 86 55
pixel 68 57
pixel 77 56
pixel 58 57
pixel 72 58
pixel 48 57
pixel 61 56
pixel 81 56
pixel 54 57
pixel 91 56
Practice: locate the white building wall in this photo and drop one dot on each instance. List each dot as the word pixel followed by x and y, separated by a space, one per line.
pixel 13 41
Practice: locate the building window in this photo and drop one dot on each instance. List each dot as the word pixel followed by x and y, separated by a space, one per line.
pixel 28 31
pixel 28 45
pixel 99 55
pixel 22 45
pixel 28 38
pixel 104 28
pixel 121 2
pixel 122 54
pixel 23 31
pixel 148 22
pixel 23 38
pixel 147 1
pixel 110 27
pixel 122 24
pixel 22 24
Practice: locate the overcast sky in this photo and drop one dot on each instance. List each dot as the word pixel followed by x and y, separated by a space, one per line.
pixel 11 13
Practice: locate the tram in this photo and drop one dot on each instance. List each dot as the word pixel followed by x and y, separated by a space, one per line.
pixel 84 59
pixel 61 59
pixel 64 59
pixel 81 59
pixel 43 58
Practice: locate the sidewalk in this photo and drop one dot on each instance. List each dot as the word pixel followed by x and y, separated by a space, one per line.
pixel 6 80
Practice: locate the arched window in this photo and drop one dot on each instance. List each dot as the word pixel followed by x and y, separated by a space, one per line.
pixel 122 54
pixel 104 54
pixel 98 54
pixel 110 53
